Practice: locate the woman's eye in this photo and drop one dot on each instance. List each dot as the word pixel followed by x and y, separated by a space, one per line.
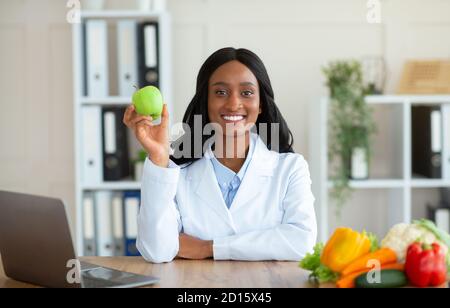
pixel 247 93
pixel 221 92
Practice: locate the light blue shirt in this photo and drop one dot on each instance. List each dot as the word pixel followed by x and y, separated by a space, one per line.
pixel 228 180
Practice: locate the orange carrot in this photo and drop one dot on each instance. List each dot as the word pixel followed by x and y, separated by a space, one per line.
pixel 349 280
pixel 383 255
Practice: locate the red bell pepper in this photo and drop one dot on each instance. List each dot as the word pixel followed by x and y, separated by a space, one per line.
pixel 425 266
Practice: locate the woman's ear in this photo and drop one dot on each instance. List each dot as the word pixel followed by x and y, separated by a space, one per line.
pixel 260 110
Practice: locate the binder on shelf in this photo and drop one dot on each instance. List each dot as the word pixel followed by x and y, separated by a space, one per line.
pixel 117 224
pixel 89 233
pixel 105 240
pixel 127 56
pixel 148 47
pixel 91 144
pixel 131 206
pixel 96 51
pixel 445 195
pixel 116 164
pixel 427 141
pixel 83 47
pixel 446 141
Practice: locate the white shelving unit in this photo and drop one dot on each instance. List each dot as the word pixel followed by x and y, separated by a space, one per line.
pixel 81 101
pixel 400 189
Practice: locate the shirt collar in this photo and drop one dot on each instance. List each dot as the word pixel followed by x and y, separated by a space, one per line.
pixel 226 175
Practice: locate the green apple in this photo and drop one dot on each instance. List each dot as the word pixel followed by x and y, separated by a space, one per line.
pixel 148 101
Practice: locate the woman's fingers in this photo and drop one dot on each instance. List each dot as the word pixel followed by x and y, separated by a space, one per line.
pixel 165 117
pixel 137 119
pixel 142 126
pixel 128 114
pixel 145 122
pixel 130 117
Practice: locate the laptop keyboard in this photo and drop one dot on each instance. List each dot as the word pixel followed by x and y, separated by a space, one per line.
pixel 89 282
pixel 102 277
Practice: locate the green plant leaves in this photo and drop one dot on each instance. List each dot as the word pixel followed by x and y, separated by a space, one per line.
pixel 351 124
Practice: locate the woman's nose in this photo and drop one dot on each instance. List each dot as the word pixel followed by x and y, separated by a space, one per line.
pixel 233 102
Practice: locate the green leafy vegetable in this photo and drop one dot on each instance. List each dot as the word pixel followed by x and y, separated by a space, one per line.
pixel 319 272
pixel 430 226
pixel 374 245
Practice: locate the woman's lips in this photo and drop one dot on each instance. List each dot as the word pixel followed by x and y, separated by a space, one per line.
pixel 233 118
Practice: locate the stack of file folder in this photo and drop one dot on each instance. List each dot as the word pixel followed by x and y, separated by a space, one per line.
pixel 110 223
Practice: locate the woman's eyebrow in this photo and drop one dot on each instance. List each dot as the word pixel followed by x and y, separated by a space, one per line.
pixel 222 83
pixel 247 83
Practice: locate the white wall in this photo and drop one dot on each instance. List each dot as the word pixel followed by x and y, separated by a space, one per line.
pixel 36 119
pixel 293 37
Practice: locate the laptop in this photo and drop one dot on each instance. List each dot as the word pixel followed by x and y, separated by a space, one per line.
pixel 36 247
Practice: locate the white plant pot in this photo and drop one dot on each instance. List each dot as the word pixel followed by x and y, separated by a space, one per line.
pixel 93 5
pixel 359 165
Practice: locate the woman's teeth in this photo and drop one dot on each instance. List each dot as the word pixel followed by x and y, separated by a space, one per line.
pixel 233 118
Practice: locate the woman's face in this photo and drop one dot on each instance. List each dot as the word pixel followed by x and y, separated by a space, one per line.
pixel 233 98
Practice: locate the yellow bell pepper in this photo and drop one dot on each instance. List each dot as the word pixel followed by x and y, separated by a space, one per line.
pixel 344 246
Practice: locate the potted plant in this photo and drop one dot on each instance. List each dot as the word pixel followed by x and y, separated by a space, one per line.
pixel 351 128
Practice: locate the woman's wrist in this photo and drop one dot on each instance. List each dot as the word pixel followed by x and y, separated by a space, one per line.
pixel 160 162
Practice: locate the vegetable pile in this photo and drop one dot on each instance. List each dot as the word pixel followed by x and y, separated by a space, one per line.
pixel 416 253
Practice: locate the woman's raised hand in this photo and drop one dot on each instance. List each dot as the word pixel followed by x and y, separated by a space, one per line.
pixel 154 138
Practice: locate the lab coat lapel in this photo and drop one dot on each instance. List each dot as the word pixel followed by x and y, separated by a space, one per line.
pixel 259 170
pixel 208 190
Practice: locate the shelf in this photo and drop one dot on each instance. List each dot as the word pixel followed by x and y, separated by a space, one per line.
pixel 109 100
pixel 122 185
pixel 429 183
pixel 401 189
pixel 119 14
pixel 374 183
pixel 83 186
pixel 414 99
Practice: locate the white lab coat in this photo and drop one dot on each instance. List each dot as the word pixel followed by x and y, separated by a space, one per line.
pixel 271 218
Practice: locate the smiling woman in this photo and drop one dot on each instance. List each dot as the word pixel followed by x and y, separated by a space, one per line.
pixel 243 194
pixel 233 97
pixel 233 103
pixel 230 82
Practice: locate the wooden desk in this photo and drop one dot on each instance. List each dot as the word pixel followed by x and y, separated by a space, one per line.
pixel 201 274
